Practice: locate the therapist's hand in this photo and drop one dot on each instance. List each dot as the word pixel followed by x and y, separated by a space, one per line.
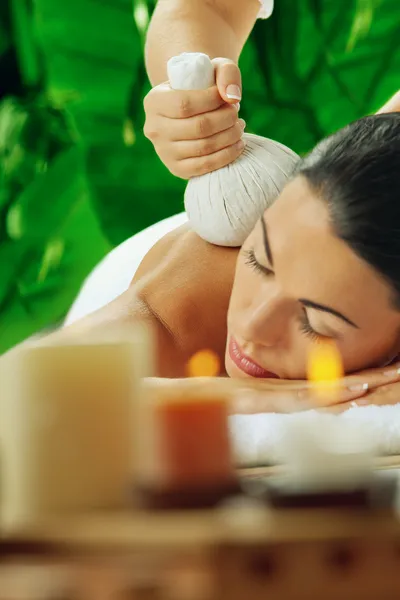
pixel 196 132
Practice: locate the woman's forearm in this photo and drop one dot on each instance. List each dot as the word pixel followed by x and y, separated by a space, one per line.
pixel 215 27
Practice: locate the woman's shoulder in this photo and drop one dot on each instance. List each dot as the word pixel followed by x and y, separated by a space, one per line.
pixel 186 282
pixel 159 251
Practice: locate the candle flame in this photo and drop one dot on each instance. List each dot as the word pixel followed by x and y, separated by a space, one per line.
pixel 325 369
pixel 204 363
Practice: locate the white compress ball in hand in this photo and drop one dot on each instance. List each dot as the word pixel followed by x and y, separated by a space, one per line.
pixel 223 206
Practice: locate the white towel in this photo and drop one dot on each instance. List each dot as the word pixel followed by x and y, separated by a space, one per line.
pixel 257 438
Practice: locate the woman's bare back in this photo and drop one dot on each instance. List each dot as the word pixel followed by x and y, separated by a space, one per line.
pixel 182 289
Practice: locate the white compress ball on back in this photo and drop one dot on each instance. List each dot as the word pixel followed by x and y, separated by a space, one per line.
pixel 223 206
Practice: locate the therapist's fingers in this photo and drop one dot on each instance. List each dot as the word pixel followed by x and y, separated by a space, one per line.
pixel 228 80
pixel 210 145
pixel 162 100
pixel 199 127
pixel 203 117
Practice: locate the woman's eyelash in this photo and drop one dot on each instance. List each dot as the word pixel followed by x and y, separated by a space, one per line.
pixel 305 325
pixel 306 328
pixel 254 264
pixel 251 260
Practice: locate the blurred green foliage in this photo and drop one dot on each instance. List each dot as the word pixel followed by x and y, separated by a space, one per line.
pixel 76 174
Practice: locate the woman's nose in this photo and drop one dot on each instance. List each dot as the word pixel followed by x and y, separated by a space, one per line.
pixel 267 323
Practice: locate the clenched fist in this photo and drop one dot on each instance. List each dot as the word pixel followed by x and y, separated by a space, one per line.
pixel 195 132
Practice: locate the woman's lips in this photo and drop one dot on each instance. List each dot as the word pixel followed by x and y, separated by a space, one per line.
pixel 246 364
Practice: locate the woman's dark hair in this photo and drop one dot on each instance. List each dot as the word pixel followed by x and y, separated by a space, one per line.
pixel 357 172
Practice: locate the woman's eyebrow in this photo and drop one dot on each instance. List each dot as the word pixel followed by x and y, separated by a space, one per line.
pixel 266 242
pixel 327 309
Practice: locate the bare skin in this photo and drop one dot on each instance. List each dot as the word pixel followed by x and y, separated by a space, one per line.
pixel 183 288
pixel 265 314
pixel 271 325
pixel 195 314
pixel 307 286
pixel 215 27
pixel 171 292
pixel 197 132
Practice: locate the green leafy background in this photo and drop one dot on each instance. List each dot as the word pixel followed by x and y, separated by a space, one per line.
pixel 77 176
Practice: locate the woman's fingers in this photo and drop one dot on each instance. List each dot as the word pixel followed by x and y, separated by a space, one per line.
pixel 386 395
pixel 252 396
pixel 356 387
pixel 374 377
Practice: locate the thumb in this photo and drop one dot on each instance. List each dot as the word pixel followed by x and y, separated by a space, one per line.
pixel 228 80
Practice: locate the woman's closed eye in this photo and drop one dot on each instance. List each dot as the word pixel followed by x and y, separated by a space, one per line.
pixel 252 262
pixel 308 330
pixel 305 325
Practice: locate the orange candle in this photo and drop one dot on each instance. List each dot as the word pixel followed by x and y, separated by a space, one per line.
pixel 194 441
pixel 186 454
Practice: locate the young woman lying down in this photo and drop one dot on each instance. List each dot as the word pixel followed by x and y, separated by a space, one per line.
pixel 322 263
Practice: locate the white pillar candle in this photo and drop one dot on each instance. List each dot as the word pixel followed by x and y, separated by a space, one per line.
pixel 324 452
pixel 66 427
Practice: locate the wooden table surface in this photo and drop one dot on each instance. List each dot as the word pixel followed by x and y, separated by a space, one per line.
pixel 138 530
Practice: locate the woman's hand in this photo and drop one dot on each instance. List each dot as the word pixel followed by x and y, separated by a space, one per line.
pixel 195 132
pixel 383 388
pixel 251 396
